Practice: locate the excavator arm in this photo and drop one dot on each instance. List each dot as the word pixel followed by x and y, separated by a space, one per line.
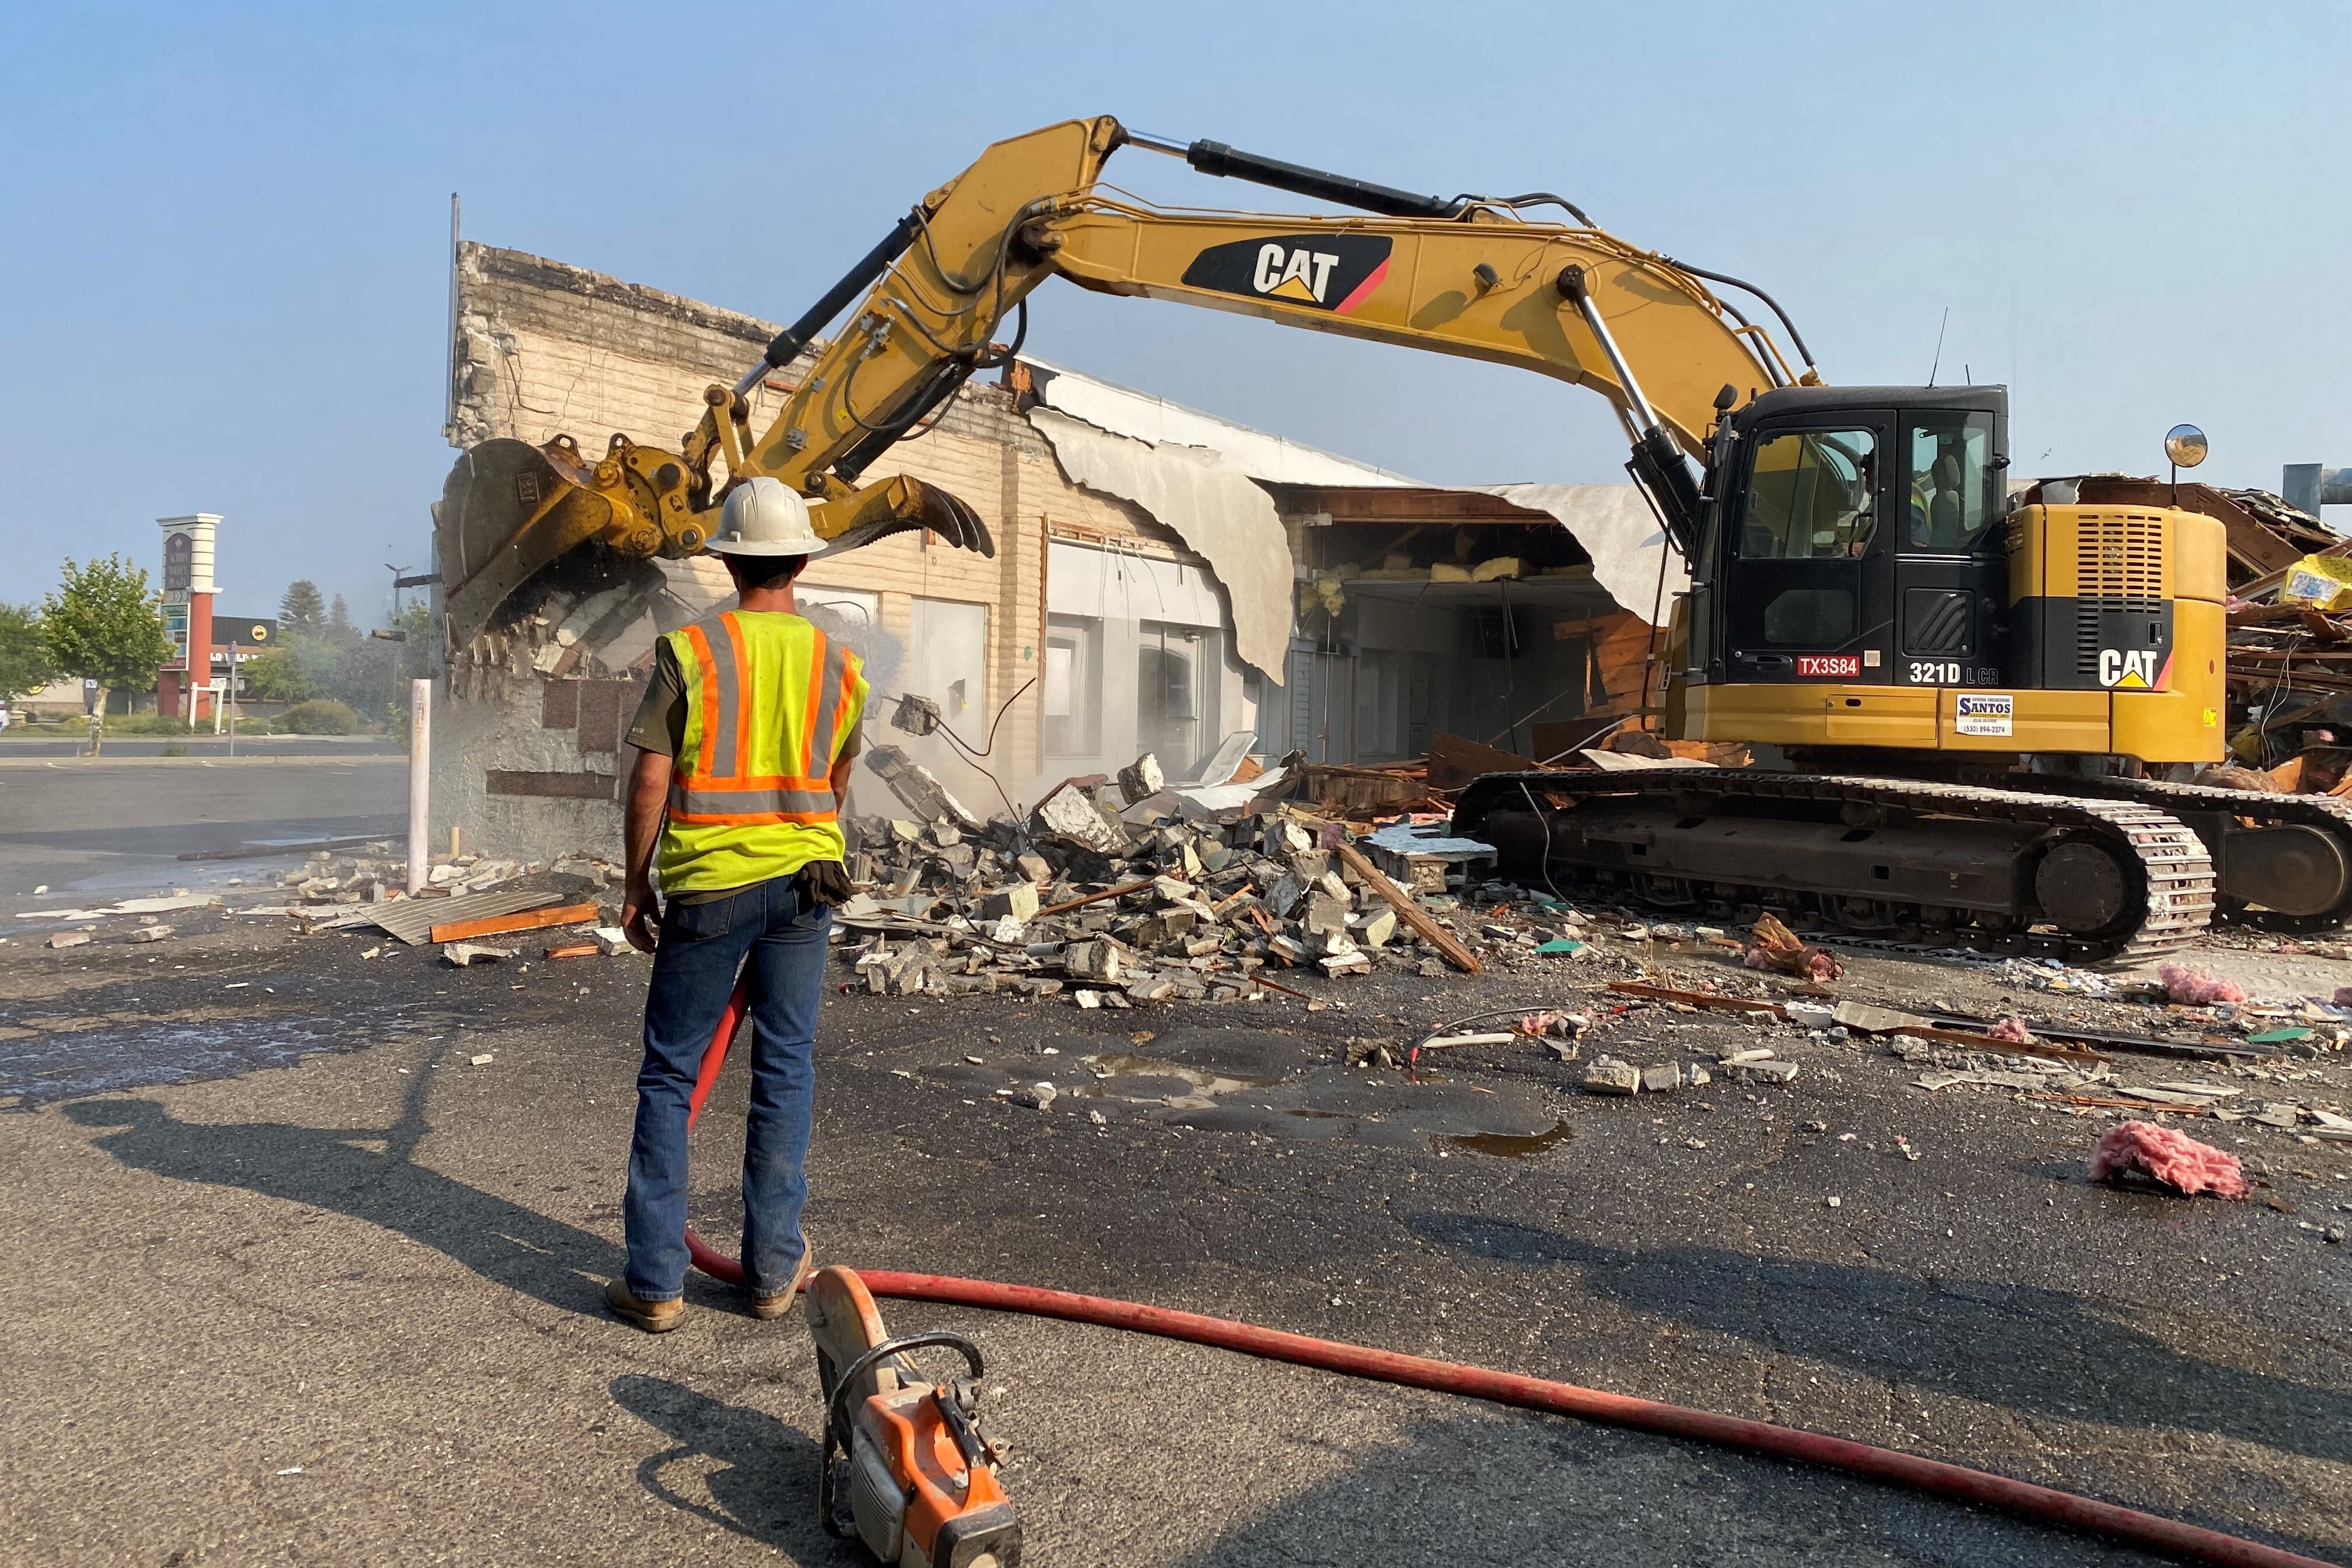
pixel 1465 275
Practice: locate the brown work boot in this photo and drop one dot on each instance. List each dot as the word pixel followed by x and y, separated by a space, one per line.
pixel 654 1317
pixel 768 1308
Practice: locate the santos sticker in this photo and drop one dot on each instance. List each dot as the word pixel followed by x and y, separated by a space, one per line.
pixel 1983 715
pixel 1334 272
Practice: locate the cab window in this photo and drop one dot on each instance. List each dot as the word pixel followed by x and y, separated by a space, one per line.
pixel 1811 496
pixel 1949 500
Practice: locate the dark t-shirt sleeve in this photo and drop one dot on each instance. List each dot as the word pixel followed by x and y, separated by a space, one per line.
pixel 660 723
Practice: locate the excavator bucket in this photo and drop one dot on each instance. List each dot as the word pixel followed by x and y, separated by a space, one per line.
pixel 509 510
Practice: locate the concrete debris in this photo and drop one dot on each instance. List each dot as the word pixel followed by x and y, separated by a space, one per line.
pixel 1017 902
pixel 1069 811
pixel 465 955
pixel 917 715
pixel 612 940
pixel 151 933
pixel 69 939
pixel 1607 1075
pixel 914 785
pixel 1141 778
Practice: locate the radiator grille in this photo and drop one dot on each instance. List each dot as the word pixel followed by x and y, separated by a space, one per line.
pixel 2118 565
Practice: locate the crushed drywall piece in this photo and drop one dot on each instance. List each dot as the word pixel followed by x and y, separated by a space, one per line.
pixel 1215 508
pixel 1616 527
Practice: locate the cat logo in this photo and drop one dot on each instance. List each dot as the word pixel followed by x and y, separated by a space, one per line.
pixel 2128 669
pixel 1334 272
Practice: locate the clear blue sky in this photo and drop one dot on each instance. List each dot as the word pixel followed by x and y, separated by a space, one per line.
pixel 225 227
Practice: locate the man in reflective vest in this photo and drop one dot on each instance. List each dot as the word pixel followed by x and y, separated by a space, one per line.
pixel 744 743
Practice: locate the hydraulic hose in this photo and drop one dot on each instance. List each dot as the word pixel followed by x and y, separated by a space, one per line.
pixel 1981 1488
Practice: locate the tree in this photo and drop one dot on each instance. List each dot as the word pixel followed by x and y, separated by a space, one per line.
pixel 301 610
pixel 25 665
pixel 338 623
pixel 294 671
pixel 104 625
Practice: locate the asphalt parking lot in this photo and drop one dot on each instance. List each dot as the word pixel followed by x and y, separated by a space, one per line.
pixel 298 1282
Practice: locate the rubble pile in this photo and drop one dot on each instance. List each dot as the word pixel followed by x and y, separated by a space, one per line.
pixel 1114 904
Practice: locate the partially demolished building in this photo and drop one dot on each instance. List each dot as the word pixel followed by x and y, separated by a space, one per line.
pixel 1165 582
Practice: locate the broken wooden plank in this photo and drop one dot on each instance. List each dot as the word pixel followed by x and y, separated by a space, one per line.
pixel 575 950
pixel 1409 911
pixel 1977 1042
pixel 1068 904
pixel 1695 998
pixel 527 919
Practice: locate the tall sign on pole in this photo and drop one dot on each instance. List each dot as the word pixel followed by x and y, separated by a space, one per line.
pixel 188 589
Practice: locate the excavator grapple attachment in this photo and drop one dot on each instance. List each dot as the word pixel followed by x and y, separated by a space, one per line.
pixel 509 511
pixel 900 505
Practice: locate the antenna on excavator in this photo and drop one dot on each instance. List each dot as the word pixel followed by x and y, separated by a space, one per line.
pixel 1939 361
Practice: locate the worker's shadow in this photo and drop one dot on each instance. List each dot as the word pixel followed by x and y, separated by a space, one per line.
pixel 370 1174
pixel 760 1474
pixel 2023 1347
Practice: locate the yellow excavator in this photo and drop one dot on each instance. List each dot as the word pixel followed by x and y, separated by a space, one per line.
pixel 1969 686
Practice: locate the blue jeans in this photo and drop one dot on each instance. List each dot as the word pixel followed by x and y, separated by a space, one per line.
pixel 778 939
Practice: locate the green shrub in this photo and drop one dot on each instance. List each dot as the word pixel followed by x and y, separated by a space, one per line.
pixel 150 724
pixel 319 716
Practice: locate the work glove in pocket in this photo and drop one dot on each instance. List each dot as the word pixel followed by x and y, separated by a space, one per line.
pixel 826 882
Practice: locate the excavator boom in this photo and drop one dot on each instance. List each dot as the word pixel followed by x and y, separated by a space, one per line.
pixel 1466 275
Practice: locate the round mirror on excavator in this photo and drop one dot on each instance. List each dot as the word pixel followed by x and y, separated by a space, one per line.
pixel 2186 445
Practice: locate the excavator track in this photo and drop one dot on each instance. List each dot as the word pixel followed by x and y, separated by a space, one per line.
pixel 2311 862
pixel 2013 872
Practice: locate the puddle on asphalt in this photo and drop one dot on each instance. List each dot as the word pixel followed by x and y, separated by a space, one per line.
pixel 1203 1089
pixel 1511 1145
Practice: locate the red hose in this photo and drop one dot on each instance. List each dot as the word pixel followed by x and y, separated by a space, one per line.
pixel 1979 1487
pixel 708 1258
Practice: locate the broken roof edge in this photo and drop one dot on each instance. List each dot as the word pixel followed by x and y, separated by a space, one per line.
pixel 1614 525
pixel 1221 513
pixel 1146 416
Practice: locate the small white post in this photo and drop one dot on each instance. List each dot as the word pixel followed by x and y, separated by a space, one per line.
pixel 420 775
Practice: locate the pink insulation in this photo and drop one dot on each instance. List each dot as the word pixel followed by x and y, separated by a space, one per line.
pixel 2169 1156
pixel 2196 988
pixel 2011 1029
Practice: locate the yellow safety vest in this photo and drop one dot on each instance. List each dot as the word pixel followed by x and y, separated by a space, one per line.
pixel 769 701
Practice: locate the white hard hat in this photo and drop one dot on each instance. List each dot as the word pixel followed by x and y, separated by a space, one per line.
pixel 763 517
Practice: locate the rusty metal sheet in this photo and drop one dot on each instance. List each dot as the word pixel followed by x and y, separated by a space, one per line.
pixel 412 920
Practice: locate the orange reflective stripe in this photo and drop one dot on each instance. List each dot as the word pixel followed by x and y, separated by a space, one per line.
pixel 815 702
pixel 850 666
pixel 706 668
pixel 743 692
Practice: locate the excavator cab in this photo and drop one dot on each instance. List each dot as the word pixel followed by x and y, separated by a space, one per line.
pixel 1850 536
